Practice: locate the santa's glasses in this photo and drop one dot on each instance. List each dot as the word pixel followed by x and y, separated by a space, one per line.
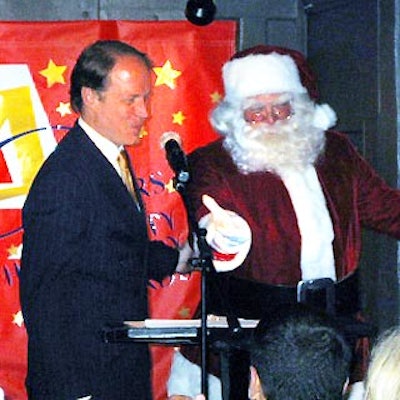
pixel 268 112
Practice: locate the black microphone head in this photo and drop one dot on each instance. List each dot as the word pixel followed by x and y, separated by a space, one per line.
pixel 172 147
pixel 169 136
pixel 171 142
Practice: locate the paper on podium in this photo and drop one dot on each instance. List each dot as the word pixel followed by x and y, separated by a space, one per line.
pixel 213 321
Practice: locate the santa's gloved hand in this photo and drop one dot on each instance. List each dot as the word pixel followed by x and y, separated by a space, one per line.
pixel 228 234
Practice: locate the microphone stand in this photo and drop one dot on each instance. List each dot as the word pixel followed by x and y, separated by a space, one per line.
pixel 204 263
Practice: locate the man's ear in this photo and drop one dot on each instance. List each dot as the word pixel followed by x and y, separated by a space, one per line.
pixel 255 389
pixel 89 96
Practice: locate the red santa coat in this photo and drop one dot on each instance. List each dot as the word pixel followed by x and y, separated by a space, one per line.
pixel 356 197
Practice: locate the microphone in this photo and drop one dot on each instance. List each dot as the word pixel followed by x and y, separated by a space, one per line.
pixel 171 142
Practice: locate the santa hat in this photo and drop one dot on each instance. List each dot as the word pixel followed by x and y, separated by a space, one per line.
pixel 270 69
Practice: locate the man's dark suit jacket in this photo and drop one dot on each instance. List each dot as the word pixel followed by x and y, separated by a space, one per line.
pixel 86 263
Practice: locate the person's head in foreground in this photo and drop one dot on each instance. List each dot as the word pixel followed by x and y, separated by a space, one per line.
pixel 383 376
pixel 268 116
pixel 298 354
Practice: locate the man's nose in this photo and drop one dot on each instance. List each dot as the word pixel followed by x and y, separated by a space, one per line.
pixel 141 108
pixel 269 117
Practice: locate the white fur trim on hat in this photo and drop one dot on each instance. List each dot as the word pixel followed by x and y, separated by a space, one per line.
pixel 261 74
pixel 324 117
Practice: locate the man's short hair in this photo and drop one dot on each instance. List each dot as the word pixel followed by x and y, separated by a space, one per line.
pixel 94 65
pixel 300 354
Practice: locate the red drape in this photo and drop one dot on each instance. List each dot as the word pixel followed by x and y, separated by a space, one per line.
pixel 36 59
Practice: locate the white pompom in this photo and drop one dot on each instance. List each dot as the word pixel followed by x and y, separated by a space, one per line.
pixel 324 116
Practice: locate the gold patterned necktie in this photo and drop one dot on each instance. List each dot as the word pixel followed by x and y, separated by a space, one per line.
pixel 126 175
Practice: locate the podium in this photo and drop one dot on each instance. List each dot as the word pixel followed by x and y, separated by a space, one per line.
pixel 221 339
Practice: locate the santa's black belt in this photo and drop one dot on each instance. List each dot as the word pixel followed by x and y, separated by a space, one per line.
pixel 250 299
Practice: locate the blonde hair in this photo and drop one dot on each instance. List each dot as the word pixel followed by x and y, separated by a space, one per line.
pixel 383 376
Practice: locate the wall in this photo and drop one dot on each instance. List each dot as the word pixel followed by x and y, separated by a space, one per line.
pixel 352 46
pixel 280 22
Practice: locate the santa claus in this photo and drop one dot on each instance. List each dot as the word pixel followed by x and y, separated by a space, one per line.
pixel 283 198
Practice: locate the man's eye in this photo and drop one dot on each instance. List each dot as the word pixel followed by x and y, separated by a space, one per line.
pixel 282 110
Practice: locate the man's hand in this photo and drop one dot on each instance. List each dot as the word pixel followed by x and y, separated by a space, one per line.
pixel 185 253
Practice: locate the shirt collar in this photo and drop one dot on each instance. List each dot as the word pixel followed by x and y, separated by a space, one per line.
pixel 109 149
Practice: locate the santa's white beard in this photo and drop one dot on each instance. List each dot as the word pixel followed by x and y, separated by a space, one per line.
pixel 289 144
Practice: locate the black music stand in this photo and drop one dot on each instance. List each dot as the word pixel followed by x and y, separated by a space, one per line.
pixel 220 340
pixel 204 263
pixel 224 341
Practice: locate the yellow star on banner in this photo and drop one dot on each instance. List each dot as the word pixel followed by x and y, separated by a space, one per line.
pixel 18 319
pixel 166 75
pixel 178 118
pixel 184 312
pixel 14 252
pixel 216 97
pixel 64 108
pixel 53 73
pixel 170 186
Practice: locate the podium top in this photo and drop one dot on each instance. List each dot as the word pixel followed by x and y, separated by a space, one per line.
pixel 177 331
pixel 213 321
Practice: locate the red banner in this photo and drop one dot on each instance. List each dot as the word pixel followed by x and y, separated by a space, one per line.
pixel 36 59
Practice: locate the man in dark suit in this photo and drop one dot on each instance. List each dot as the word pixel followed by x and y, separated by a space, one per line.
pixel 86 255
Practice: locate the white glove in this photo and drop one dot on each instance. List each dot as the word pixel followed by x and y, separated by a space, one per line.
pixel 227 233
